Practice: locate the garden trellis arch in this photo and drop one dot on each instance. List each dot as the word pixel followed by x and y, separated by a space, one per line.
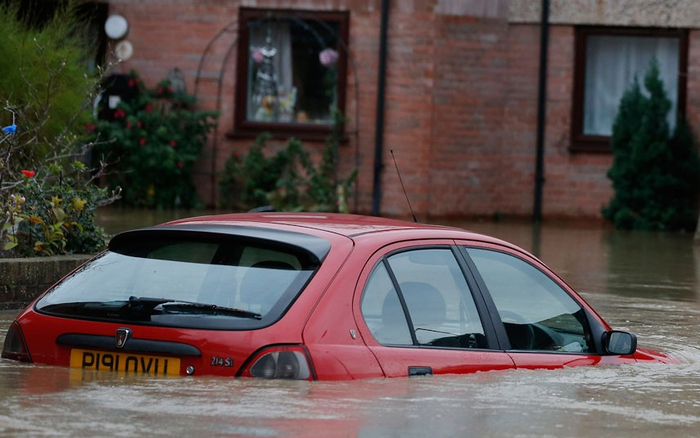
pixel 213 69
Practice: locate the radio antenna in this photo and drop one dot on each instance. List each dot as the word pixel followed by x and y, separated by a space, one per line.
pixel 402 186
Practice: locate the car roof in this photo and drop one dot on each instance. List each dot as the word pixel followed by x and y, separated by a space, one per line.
pixel 351 226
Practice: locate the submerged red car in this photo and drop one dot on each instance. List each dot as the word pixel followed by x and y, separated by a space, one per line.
pixel 317 297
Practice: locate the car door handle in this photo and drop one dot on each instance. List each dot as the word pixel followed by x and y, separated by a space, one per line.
pixel 420 371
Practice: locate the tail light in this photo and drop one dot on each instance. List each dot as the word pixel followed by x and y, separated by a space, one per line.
pixel 15 348
pixel 281 362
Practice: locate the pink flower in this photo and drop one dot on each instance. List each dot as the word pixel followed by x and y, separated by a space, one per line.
pixel 257 55
pixel 328 57
pixel 131 82
pixel 90 127
pixel 28 173
pixel 180 164
pixel 142 142
pixel 173 143
pixel 128 125
pixel 148 108
pixel 139 123
pixel 160 90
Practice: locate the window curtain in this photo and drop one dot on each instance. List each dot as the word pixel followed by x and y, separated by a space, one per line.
pixel 612 62
pixel 281 41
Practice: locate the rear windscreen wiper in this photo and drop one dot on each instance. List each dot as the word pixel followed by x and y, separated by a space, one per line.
pixel 209 309
pixel 147 305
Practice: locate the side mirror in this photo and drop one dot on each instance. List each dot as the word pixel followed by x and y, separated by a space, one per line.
pixel 619 343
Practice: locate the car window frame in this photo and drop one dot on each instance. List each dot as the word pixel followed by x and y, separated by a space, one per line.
pixel 380 257
pixel 596 324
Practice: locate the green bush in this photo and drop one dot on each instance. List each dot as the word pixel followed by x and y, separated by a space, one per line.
pixel 47 200
pixel 151 144
pixel 655 174
pixel 288 180
pixel 41 65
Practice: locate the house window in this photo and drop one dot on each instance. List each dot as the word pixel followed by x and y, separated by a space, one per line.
pixel 607 61
pixel 291 72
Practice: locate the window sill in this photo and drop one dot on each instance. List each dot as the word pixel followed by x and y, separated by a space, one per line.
pixel 282 131
pixel 591 145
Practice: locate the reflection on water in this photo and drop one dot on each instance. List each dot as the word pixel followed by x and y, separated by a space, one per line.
pixel 115 220
pixel 644 282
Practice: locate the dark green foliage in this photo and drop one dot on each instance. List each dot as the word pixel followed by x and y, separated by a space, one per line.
pixel 47 199
pixel 43 75
pixel 151 145
pixel 655 174
pixel 288 180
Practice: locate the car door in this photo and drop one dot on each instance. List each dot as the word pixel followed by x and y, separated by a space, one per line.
pixel 546 324
pixel 417 314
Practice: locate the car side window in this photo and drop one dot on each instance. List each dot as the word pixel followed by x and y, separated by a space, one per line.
pixel 538 314
pixel 441 310
pixel 382 310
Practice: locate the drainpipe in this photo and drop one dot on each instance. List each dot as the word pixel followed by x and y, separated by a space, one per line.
pixel 379 123
pixel 541 111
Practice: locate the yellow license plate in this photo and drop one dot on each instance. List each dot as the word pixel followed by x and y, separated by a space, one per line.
pixel 124 362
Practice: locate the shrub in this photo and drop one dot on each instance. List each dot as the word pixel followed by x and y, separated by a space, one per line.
pixel 151 144
pixel 47 201
pixel 55 215
pixel 655 174
pixel 42 74
pixel 288 180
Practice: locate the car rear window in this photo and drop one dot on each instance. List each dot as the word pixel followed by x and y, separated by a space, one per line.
pixel 191 280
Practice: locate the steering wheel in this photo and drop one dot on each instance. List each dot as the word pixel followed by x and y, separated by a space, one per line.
pixel 527 334
pixel 554 340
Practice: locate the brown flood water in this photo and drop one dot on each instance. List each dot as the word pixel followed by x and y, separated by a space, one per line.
pixel 643 282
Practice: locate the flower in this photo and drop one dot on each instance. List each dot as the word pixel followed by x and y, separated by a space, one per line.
pixel 79 204
pixel 128 125
pixel 119 114
pixel 28 173
pixel 90 127
pixel 328 57
pixel 131 82
pixel 257 55
pixel 148 107
pixel 142 142
pixel 11 129
pixel 180 164
pixel 173 143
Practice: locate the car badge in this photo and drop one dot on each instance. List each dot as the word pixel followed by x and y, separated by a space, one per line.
pixel 123 335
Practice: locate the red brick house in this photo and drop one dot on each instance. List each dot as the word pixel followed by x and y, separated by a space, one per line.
pixel 461 89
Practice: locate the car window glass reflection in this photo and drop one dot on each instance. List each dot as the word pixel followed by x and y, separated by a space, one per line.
pixel 537 313
pixel 438 298
pixel 154 279
pixel 439 302
pixel 382 310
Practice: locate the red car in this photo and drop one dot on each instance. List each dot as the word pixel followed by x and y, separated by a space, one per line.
pixel 316 297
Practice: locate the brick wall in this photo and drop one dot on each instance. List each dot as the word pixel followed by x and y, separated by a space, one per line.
pixel 461 101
